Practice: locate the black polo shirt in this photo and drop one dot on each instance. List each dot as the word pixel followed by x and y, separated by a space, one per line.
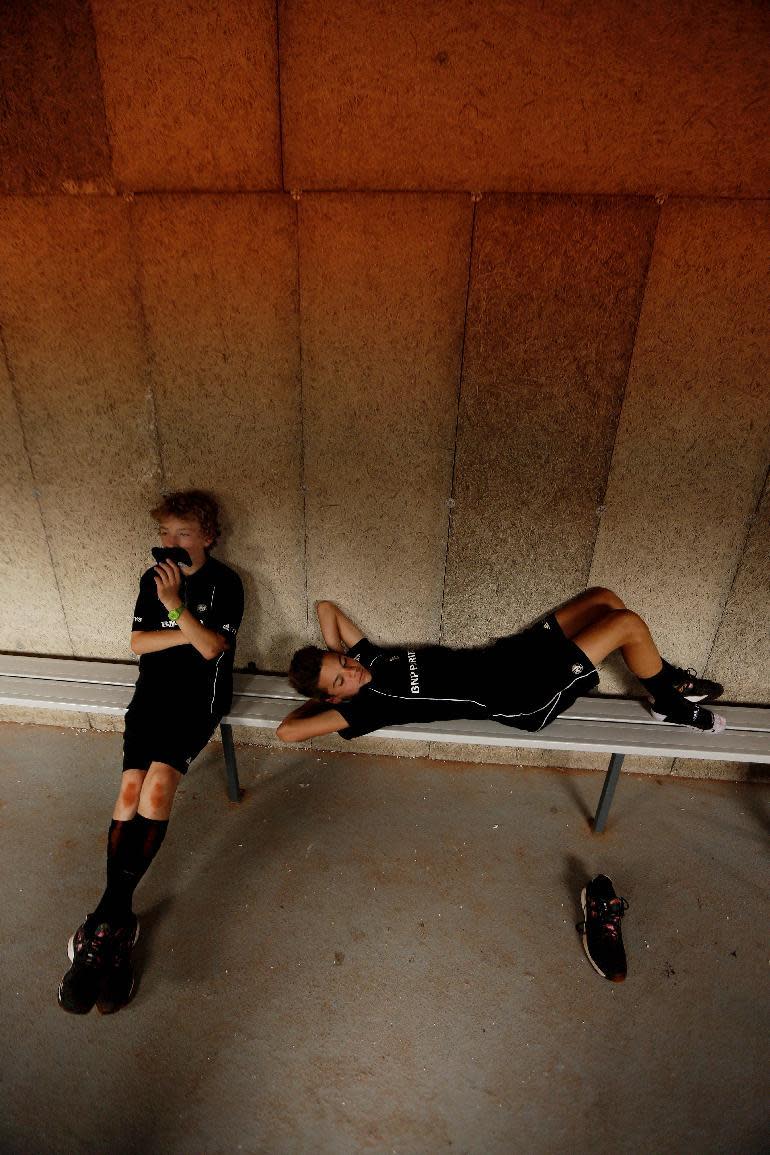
pixel 424 684
pixel 180 675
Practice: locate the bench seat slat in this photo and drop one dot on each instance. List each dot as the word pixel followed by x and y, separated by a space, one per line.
pixel 258 686
pixel 565 733
pixel 592 724
pixel 68 670
pixel 72 696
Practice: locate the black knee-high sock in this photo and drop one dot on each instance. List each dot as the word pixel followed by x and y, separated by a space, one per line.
pixel 131 847
pixel 663 690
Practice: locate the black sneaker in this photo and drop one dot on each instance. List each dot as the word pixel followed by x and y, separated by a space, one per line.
pixel 88 952
pixel 600 928
pixel 693 688
pixel 690 717
pixel 117 977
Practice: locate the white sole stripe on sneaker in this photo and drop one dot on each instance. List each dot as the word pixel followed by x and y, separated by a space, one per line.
pixel 598 969
pixel 720 723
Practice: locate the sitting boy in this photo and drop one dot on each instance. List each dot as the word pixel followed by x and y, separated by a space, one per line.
pixel 185 624
pixel 525 680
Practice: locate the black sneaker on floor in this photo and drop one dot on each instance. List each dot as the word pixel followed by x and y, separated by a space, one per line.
pixel 689 716
pixel 600 928
pixel 88 952
pixel 117 976
pixel 695 689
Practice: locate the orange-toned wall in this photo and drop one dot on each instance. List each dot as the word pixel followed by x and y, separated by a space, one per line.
pixel 458 308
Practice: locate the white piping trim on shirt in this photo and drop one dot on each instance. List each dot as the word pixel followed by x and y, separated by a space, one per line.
pixel 426 698
pixel 216 675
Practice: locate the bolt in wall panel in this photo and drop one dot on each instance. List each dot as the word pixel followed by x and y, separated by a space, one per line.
pixel 537 96
pixel 68 305
pixel 219 284
pixel 692 445
pixel 383 284
pixel 555 292
pixel 191 92
pixel 53 128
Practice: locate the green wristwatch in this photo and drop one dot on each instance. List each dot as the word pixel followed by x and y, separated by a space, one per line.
pixel 175 615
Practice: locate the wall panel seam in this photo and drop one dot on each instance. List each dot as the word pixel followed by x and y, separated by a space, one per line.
pixel 635 332
pixel 148 358
pixel 741 553
pixel 302 473
pixel 278 87
pixel 35 490
pixel 458 397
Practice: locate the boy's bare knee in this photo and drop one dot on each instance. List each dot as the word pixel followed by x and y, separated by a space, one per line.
pixel 158 791
pixel 129 794
pixel 607 597
pixel 634 624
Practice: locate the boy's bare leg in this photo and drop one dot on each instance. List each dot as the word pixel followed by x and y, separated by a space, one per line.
pixel 623 630
pixel 158 791
pixel 586 609
pixel 138 827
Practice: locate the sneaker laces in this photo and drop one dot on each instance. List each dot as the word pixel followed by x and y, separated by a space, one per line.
pixel 608 913
pixel 96 946
pixel 684 679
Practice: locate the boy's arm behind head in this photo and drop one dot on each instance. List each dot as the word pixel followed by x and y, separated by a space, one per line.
pixel 339 632
pixel 310 720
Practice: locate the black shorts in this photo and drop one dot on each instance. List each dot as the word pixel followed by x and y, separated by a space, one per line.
pixel 538 673
pixel 175 737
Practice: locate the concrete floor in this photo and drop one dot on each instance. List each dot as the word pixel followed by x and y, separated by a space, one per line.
pixel 372 954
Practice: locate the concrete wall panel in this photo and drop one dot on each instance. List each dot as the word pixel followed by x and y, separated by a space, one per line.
pixel 692 446
pixel 31 614
pixel 533 96
pixel 740 657
pixel 383 285
pixel 219 278
pixel 69 311
pixel 191 92
pixel 53 129
pixel 555 294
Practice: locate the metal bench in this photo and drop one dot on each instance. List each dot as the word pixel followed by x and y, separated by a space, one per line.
pixel 613 726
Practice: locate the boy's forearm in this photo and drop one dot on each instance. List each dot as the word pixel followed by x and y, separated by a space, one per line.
pixel 339 632
pixel 327 620
pixel 151 641
pixel 208 643
pixel 310 720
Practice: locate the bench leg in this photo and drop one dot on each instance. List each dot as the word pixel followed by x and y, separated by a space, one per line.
pixel 610 782
pixel 233 785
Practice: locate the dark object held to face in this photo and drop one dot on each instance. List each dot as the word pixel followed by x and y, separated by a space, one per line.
pixel 171 553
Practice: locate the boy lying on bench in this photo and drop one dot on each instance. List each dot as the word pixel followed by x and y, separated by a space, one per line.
pixel 524 680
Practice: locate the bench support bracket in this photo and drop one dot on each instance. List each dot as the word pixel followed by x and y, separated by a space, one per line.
pixel 610 782
pixel 233 785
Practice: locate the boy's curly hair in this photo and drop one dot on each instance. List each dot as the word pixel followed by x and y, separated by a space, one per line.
pixel 193 505
pixel 305 670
